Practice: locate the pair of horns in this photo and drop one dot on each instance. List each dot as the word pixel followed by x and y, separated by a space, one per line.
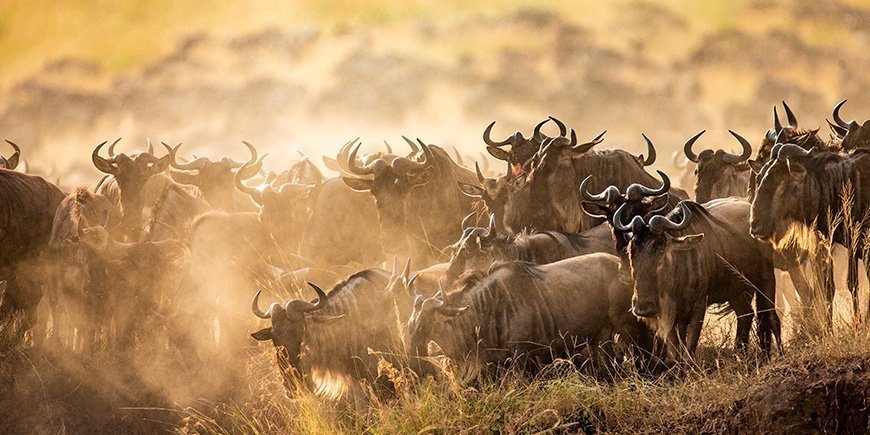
pixel 728 157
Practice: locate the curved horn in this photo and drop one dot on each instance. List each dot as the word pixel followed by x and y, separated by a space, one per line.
pixel 467 219
pixel 12 161
pixel 441 292
pixel 789 115
pixel 112 147
pixel 255 307
pixel 458 157
pixel 492 143
pixel 687 147
pixel 791 150
pixel 252 170
pixel 582 148
pixel 536 134
pixel 607 195
pixel 562 129
pixel 352 165
pixel 301 306
pixel 839 131
pixel 490 231
pixel 406 272
pixel 480 176
pixel 389 148
pixel 659 224
pixel 235 165
pixel 102 164
pixel 747 150
pixel 651 150
pixel 150 146
pixel 636 221
pixel 195 165
pixel 837 118
pixel 414 147
pixel 776 124
pixel 255 194
pixel 638 191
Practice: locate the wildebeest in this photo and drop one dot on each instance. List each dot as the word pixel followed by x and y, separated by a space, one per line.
pixel 528 314
pixel 418 199
pixel 554 202
pixel 499 194
pixel 79 293
pixel 480 248
pixel 215 179
pixel 28 206
pixel 138 187
pixel 719 174
pixel 788 133
pixel 696 256
pixel 327 342
pixel 342 228
pixel 809 189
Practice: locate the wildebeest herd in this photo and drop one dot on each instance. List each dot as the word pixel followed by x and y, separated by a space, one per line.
pixel 570 252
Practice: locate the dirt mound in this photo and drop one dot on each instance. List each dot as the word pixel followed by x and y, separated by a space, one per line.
pixel 828 396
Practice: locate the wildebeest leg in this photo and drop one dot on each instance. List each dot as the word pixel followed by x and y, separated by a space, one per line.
pixel 802 287
pixel 696 323
pixel 852 283
pixel 823 266
pixel 768 319
pixel 742 306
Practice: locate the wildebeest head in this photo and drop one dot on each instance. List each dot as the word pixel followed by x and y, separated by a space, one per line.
pixel 284 209
pixel 788 133
pixel 779 201
pixel 638 200
pixel 429 316
pixel 654 255
pixel 390 179
pixel 719 174
pixel 301 172
pixel 522 148
pixel 288 324
pixel 496 193
pixel 11 162
pixel 79 210
pixel 213 178
pixel 130 171
pixel 477 249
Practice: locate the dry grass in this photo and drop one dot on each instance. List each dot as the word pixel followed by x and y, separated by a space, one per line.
pixel 562 399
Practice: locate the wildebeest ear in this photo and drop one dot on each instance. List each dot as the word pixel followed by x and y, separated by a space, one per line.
pixel 520 182
pixel 797 171
pixel 658 203
pixel 499 153
pixel 264 334
pixel 324 318
pixel 471 190
pixel 422 177
pixel 161 164
pixel 687 242
pixel 755 165
pixel 593 209
pixel 451 311
pixel 331 164
pixel 358 184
